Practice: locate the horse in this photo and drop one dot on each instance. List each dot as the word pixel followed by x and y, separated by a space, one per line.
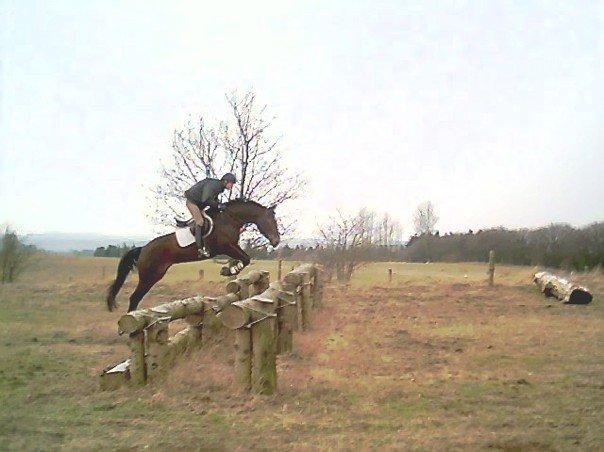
pixel 157 256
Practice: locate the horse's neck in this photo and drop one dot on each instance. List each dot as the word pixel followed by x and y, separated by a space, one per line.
pixel 246 213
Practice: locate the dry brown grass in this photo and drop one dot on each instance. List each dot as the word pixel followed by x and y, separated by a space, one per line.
pixel 428 363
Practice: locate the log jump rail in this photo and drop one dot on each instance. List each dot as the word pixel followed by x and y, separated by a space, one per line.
pixel 264 316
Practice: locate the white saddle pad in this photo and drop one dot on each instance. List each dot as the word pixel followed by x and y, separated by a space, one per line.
pixel 184 237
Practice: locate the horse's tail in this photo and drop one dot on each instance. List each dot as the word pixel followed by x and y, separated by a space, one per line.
pixel 127 263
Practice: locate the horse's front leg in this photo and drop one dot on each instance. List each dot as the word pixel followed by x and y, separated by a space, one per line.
pixel 243 260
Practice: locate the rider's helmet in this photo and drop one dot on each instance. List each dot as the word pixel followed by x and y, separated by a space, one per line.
pixel 229 177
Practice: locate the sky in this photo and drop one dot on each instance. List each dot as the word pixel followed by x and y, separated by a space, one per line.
pixel 494 111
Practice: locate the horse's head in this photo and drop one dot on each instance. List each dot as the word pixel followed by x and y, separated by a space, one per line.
pixel 267 225
pixel 263 217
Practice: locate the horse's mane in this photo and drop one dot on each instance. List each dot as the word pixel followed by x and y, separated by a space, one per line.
pixel 242 201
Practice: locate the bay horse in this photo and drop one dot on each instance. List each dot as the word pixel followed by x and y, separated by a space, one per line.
pixel 154 259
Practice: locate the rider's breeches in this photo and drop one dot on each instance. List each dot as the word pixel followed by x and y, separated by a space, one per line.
pixel 195 212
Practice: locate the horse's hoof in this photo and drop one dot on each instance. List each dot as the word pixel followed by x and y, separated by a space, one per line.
pixel 225 271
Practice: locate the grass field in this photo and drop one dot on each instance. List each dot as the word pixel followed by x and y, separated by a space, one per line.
pixel 436 360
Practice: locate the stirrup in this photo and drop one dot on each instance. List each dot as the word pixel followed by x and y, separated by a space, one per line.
pixel 202 252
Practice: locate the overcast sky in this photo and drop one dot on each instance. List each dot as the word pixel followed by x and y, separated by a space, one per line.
pixel 494 111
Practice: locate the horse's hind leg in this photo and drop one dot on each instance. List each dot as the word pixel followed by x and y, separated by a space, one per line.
pixel 141 290
pixel 145 282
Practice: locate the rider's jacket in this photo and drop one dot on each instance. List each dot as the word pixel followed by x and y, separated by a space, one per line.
pixel 205 193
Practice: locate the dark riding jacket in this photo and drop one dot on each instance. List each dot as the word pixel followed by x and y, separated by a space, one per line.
pixel 205 193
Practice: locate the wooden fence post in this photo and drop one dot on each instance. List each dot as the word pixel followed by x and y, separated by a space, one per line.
pixel 201 274
pixel 390 276
pixel 286 317
pixel 138 371
pixel 258 315
pixel 264 349
pixel 243 359
pixel 307 300
pixel 491 270
pixel 157 347
pixel 318 288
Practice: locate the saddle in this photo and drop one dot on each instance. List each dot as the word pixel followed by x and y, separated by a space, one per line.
pixel 206 228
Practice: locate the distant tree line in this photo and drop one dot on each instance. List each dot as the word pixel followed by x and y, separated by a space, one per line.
pixel 556 245
pixel 112 250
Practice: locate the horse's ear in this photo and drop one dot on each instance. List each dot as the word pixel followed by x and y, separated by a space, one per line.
pixel 272 208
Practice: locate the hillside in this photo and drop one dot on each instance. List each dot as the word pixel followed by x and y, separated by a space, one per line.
pixel 64 242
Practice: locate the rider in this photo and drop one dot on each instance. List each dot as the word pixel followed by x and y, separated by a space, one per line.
pixel 202 195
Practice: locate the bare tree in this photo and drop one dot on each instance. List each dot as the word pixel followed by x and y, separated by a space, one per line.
pixel 14 256
pixel 388 231
pixel 425 218
pixel 242 144
pixel 344 240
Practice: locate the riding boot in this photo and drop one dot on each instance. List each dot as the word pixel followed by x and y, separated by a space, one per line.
pixel 201 250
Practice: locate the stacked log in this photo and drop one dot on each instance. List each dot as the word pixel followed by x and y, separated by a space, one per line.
pixel 255 322
pixel 264 325
pixel 263 316
pixel 252 283
pixel 152 350
pixel 299 282
pixel 179 309
pixel 562 289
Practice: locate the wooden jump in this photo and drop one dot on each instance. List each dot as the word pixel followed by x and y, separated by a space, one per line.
pixel 263 316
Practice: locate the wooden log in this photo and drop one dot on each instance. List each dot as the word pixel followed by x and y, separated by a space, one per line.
pixel 140 319
pixel 562 289
pixel 217 304
pixel 318 288
pixel 138 368
pixel 237 314
pixel 294 277
pixel 243 359
pixel 491 271
pixel 286 319
pixel 263 283
pixel 157 347
pixel 246 280
pixel 182 343
pixel 298 281
pixel 295 311
pixel 115 376
pixel 299 307
pixel 264 355
pixel 306 300
pixel 255 353
pixel 163 351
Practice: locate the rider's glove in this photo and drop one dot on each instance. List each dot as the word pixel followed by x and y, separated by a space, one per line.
pixel 221 206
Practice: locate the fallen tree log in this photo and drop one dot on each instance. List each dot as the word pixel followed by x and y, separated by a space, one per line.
pixel 562 289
